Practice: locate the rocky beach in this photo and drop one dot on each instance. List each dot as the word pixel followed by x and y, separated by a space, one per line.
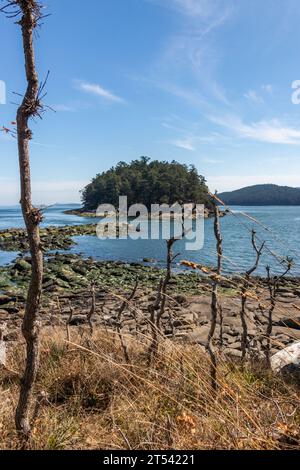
pixel 67 300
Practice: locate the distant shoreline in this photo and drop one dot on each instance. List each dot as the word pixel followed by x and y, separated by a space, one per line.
pixel 92 214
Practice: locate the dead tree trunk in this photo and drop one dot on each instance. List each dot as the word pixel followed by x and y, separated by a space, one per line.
pixel 30 13
pixel 244 294
pixel 92 309
pixel 215 306
pixel 273 284
pixel 159 304
pixel 119 321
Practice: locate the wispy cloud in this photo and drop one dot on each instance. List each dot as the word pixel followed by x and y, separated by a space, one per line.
pixel 272 131
pixel 268 88
pixel 212 161
pixel 187 135
pixel 253 96
pixel 63 108
pixel 256 96
pixel 98 90
pixel 193 8
pixel 186 144
pixel 191 50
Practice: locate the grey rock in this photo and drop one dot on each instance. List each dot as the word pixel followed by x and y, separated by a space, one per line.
pixel 232 352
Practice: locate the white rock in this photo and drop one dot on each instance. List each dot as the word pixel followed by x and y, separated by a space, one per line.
pixel 2 346
pixel 289 356
pixel 2 353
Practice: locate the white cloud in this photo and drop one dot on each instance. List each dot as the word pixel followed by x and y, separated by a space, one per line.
pixel 272 131
pixel 98 90
pixel 253 96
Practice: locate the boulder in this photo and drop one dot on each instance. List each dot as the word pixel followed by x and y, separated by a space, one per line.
pixel 198 336
pixel 185 319
pixel 287 361
pixel 232 352
pixel 21 265
pixel 2 346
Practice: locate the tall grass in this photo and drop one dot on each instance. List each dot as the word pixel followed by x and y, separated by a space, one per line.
pixel 93 399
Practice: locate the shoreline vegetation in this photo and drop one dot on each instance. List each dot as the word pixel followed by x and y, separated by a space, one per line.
pixel 82 212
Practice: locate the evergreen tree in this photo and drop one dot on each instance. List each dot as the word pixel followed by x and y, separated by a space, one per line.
pixel 147 182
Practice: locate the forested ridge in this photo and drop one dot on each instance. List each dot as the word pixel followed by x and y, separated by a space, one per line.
pixel 147 182
pixel 263 195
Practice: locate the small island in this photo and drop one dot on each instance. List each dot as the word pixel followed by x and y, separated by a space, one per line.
pixel 146 182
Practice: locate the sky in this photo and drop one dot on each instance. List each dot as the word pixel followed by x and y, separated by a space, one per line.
pixel 203 82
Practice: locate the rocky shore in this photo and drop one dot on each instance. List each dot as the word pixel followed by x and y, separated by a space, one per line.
pixel 52 238
pixel 67 298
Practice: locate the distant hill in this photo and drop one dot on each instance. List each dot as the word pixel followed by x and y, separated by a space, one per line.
pixel 263 195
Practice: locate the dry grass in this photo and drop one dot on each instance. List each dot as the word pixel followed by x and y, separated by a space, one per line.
pixel 94 400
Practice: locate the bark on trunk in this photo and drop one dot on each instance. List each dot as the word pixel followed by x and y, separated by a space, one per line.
pixel 215 305
pixel 32 217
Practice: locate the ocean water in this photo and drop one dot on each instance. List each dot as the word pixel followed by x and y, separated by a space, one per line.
pixel 279 227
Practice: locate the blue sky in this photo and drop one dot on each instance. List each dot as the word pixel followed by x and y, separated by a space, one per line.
pixel 204 82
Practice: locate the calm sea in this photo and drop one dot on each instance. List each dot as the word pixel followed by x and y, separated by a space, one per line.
pixel 281 232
